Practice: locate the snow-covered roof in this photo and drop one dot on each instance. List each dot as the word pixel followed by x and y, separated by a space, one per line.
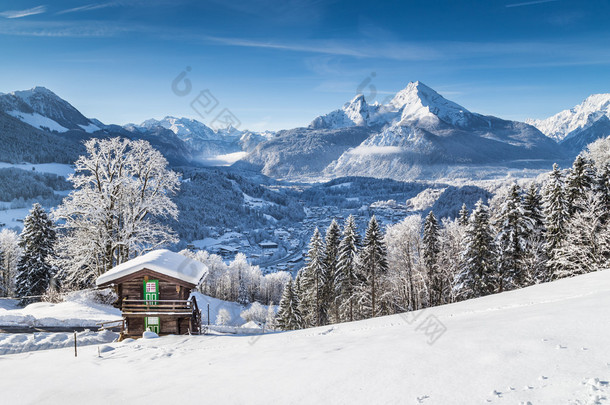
pixel 161 261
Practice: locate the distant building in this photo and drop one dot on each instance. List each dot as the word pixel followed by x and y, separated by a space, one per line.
pixel 268 245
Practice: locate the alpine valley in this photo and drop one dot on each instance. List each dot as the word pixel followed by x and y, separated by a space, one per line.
pixel 431 153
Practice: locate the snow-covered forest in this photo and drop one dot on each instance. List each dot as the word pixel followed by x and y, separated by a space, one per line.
pixel 549 230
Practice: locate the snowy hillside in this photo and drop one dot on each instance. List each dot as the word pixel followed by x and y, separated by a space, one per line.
pixel 563 124
pixel 417 135
pixel 43 109
pixel 545 344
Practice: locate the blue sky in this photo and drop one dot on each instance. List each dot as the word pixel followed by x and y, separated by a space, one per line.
pixel 278 64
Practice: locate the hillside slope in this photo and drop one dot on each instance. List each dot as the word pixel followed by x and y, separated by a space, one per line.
pixel 546 344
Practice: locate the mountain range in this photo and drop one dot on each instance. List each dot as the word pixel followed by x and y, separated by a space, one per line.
pixel 418 134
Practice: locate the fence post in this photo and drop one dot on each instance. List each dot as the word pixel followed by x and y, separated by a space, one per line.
pixel 208 314
pixel 75 352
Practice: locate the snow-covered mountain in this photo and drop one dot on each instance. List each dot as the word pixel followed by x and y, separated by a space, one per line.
pixel 418 134
pixel 568 122
pixel 43 109
pixel 203 141
pixel 578 126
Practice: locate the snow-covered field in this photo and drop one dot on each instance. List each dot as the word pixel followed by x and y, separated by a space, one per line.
pixel 59 169
pixel 546 344
pixel 11 343
pixel 77 310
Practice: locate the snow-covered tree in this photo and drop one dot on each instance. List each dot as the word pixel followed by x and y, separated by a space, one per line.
pixel 373 259
pixel 580 179
pixel 347 268
pixel 34 270
pixel 450 263
pixel 239 267
pixel 602 188
pixel 535 254
pixel 463 216
pixel 556 214
pixel 331 266
pixel 223 317
pixel 532 210
pixel 257 313
pixel 270 319
pixel 431 245
pixel 586 246
pixel 289 316
pixel 406 274
pixel 122 188
pixel 511 237
pixel 477 276
pixel 312 283
pixel 10 251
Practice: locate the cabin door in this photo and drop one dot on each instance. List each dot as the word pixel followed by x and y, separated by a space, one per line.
pixel 151 296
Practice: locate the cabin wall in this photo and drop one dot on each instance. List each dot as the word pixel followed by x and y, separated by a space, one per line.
pixel 134 289
pixel 169 325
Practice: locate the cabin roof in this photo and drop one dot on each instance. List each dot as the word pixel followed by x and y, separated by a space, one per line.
pixel 161 261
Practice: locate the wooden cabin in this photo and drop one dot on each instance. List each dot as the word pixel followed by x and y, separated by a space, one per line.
pixel 153 293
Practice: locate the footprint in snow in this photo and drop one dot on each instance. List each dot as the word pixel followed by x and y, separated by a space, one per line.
pixel 496 393
pixel 561 347
pixel 543 377
pixel 422 399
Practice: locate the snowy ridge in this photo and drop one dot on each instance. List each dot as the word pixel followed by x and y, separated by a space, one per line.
pixel 416 103
pixel 563 124
pixel 220 147
pixel 43 109
pixel 419 102
pixel 355 113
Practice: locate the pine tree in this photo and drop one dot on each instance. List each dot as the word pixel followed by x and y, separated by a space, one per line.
pixel 534 255
pixel 301 294
pixel 374 263
pixel 312 282
pixel 4 282
pixel 602 187
pixel 242 293
pixel 34 272
pixel 289 316
pixel 463 215
pixel 431 245
pixel 9 246
pixel 510 239
pixel 477 276
pixel 556 213
pixel 331 265
pixel 580 179
pixel 532 210
pixel 348 280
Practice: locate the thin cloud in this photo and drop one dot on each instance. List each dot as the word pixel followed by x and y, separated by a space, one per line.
pixel 86 29
pixel 391 51
pixel 530 3
pixel 23 13
pixel 88 7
